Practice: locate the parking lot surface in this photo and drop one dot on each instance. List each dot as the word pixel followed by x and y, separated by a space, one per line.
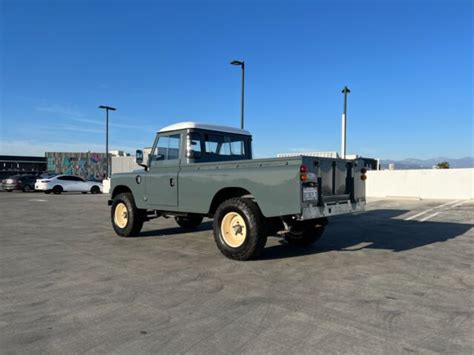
pixel 395 279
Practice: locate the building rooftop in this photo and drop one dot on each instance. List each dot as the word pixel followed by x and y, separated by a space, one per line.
pixel 210 127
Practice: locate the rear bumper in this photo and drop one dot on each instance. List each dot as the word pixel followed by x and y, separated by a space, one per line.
pixel 41 186
pixel 334 209
pixel 7 186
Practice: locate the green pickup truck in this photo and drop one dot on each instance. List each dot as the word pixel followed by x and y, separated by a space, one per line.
pixel 199 170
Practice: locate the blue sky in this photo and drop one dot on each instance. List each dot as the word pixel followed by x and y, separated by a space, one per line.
pixel 407 63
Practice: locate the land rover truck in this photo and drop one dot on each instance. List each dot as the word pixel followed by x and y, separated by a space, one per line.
pixel 197 171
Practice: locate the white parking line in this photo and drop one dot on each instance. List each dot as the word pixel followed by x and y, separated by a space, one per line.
pixel 431 209
pixel 458 204
pixel 429 217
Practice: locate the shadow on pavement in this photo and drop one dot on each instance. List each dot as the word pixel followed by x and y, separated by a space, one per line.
pixel 376 229
pixel 175 230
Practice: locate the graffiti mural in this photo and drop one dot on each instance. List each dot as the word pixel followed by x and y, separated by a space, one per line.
pixel 89 166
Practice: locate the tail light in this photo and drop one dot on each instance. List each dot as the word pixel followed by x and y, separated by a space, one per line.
pixel 363 177
pixel 303 173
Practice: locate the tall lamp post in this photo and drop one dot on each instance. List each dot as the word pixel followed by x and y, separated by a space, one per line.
pixel 242 65
pixel 345 91
pixel 107 109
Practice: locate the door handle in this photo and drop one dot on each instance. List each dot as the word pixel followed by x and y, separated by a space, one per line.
pixel 172 182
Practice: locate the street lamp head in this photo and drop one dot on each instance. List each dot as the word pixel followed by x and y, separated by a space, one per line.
pixel 345 90
pixel 108 108
pixel 237 62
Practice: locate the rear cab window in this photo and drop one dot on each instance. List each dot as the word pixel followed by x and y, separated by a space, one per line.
pixel 218 147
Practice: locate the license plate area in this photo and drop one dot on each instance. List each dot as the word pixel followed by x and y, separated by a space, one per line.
pixel 310 194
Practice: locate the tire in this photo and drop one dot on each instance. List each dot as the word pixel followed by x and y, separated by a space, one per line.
pixel 95 189
pixel 26 188
pixel 126 218
pixel 244 243
pixel 191 221
pixel 8 190
pixel 305 234
pixel 57 190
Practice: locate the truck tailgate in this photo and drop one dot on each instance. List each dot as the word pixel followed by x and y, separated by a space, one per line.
pixel 335 178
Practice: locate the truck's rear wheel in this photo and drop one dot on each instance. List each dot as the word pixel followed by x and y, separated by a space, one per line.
pixel 303 234
pixel 239 229
pixel 127 219
pixel 190 221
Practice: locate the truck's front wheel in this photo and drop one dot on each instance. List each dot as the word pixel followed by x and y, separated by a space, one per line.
pixel 127 219
pixel 239 229
pixel 303 234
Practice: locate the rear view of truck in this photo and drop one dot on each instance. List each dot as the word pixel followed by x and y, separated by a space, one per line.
pixel 328 187
pixel 331 186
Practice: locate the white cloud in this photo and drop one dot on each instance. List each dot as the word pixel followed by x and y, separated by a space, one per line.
pixel 73 114
pixel 59 109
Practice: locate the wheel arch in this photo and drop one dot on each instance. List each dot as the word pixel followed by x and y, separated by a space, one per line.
pixel 227 193
pixel 120 189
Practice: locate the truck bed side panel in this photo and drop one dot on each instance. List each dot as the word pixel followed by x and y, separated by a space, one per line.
pixel 273 182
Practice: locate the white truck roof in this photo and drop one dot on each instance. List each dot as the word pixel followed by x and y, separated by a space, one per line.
pixel 210 127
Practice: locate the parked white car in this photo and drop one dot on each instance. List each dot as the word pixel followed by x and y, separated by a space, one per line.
pixel 67 183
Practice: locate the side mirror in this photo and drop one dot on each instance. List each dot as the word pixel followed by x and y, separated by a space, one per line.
pixel 139 158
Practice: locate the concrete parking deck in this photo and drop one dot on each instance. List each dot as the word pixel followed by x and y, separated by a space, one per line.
pixel 397 278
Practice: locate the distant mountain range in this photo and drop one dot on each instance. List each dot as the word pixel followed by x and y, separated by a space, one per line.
pixel 411 163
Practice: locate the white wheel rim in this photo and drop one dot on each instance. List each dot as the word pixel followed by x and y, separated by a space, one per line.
pixel 121 215
pixel 233 229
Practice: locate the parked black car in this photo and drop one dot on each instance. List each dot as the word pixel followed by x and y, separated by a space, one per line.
pixel 19 182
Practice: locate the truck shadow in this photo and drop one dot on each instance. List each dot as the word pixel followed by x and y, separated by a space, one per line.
pixel 175 230
pixel 378 229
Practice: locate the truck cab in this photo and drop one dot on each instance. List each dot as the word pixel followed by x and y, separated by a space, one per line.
pixel 187 143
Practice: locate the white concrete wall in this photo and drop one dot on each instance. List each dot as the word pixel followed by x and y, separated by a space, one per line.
pixel 435 183
pixel 124 164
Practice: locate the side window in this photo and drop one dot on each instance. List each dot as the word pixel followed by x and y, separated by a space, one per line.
pixel 167 148
pixel 225 147
pixel 76 178
pixel 193 145
pixel 63 178
pixel 237 147
pixel 211 144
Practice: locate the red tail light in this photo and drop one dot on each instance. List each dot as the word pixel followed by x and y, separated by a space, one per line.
pixel 303 173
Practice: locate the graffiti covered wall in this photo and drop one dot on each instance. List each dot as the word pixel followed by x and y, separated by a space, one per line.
pixel 90 166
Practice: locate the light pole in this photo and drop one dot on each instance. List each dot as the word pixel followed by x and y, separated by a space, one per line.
pixel 242 65
pixel 107 109
pixel 345 91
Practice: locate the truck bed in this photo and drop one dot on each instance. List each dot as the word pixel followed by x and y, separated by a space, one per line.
pixel 275 184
